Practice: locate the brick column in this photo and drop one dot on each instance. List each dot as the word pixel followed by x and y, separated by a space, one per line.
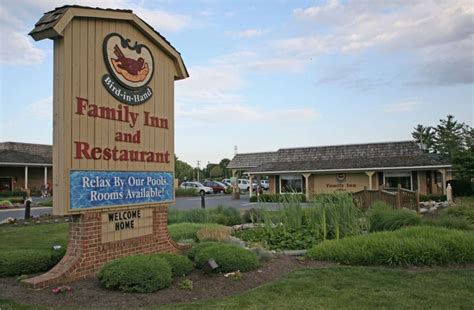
pixel 86 253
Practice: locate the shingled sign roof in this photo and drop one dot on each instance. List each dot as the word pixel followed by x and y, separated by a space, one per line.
pixel 388 155
pixel 13 153
pixel 51 25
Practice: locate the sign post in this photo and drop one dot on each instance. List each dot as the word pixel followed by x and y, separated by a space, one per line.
pixel 113 136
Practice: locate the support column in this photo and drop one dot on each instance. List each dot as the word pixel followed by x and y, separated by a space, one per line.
pixel 306 182
pixel 443 181
pixel 26 177
pixel 370 174
pixel 45 176
pixel 251 185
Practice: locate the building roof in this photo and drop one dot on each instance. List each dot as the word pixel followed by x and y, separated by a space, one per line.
pixel 385 155
pixel 53 23
pixel 250 160
pixel 15 153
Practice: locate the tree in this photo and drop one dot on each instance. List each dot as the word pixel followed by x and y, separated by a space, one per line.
pixel 449 137
pixel 182 169
pixel 216 172
pixel 223 164
pixel 424 136
pixel 452 139
pixel 463 163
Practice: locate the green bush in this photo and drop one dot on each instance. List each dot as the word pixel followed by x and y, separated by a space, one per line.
pixel 48 203
pixel 292 227
pixel 227 216
pixel 462 187
pixel 433 197
pixel 6 203
pixel 466 212
pixel 180 265
pixel 12 194
pixel 252 215
pixel 18 262
pixel 221 215
pixel 141 274
pixel 420 246
pixel 229 257
pixel 191 253
pixel 280 238
pixel 383 217
pixel 183 231
pixel 279 198
pixel 454 222
pixel 185 192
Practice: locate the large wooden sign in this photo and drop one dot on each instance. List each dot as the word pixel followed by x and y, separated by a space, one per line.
pixel 113 111
pixel 113 136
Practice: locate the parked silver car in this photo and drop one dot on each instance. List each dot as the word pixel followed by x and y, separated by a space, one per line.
pixel 201 189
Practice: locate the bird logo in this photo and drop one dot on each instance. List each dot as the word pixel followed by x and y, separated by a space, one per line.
pixel 133 70
pixel 131 65
pixel 130 69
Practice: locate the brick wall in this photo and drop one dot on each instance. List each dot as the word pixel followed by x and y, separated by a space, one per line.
pixel 86 253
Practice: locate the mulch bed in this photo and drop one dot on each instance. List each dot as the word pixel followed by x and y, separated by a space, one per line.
pixel 88 291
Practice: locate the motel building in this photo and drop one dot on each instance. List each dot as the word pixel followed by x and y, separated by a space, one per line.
pixel 351 168
pixel 25 166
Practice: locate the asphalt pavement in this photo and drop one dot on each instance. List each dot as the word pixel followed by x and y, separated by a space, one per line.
pixel 182 203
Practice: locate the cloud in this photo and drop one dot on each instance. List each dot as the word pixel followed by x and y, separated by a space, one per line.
pixel 249 33
pixel 162 20
pixel 20 49
pixel 223 114
pixel 43 110
pixel 314 11
pixel 407 105
pixel 213 93
pixel 17 18
pixel 416 28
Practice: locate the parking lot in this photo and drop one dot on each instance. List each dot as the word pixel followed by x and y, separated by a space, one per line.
pixel 182 203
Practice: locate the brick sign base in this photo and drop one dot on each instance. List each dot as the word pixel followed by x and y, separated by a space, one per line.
pixel 86 252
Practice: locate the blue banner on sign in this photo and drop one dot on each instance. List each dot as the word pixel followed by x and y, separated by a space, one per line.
pixel 98 189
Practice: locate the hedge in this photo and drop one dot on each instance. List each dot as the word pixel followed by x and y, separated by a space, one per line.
pixel 433 197
pixel 227 256
pixel 384 217
pixel 420 246
pixel 462 187
pixel 183 231
pixel 180 265
pixel 20 262
pixel 140 274
pixel 221 215
pixel 279 198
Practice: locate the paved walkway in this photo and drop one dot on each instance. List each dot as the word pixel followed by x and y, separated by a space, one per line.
pixel 182 203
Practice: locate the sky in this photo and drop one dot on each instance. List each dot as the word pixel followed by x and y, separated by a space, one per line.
pixel 274 74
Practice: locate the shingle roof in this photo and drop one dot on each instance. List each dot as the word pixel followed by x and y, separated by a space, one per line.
pixel 250 160
pixel 25 153
pixel 339 157
pixel 51 18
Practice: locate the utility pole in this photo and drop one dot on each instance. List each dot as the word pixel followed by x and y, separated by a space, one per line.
pixel 198 163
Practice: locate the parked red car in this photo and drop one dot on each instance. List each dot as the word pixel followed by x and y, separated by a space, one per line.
pixel 215 186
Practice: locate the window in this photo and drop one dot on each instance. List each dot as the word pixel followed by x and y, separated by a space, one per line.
pixel 291 184
pixel 392 179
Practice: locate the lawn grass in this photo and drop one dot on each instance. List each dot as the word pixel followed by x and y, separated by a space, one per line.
pixel 466 201
pixel 355 288
pixel 34 237
pixel 346 288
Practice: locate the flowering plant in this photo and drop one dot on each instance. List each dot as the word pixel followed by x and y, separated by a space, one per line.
pixel 62 289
